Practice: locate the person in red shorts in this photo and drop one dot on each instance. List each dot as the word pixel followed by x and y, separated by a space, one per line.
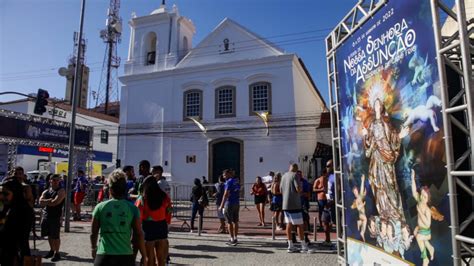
pixel 79 194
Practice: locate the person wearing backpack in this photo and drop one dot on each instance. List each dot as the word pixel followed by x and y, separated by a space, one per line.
pixel 199 202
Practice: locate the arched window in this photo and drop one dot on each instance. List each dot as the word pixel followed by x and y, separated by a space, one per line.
pixel 225 101
pixel 185 45
pixel 260 97
pixel 150 45
pixel 192 104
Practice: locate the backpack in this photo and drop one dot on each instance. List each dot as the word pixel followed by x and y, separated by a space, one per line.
pixel 203 200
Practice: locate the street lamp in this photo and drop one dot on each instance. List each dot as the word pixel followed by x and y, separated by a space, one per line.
pixel 265 116
pixel 201 126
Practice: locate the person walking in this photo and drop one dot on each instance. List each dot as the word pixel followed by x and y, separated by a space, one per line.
pixel 79 194
pixel 305 196
pixel 220 188
pixel 18 222
pixel 155 213
pixel 230 205
pixel 277 200
pixel 292 209
pixel 329 210
pixel 115 219
pixel 199 202
pixel 320 187
pixel 259 190
pixel 52 202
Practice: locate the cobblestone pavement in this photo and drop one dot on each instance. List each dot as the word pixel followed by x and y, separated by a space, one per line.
pixel 255 246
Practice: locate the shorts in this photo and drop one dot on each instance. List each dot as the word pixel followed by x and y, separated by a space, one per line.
pixel 326 216
pixel 79 197
pixel 293 217
pixel 119 260
pixel 275 207
pixel 51 227
pixel 260 199
pixel 231 213
pixel 220 215
pixel 321 205
pixel 155 230
pixel 305 216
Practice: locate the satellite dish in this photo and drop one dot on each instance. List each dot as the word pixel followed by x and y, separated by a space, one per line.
pixel 117 27
pixel 103 34
pixel 63 71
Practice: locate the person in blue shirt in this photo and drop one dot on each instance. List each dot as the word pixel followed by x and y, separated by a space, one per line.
pixel 305 196
pixel 130 173
pixel 79 193
pixel 230 204
pixel 220 188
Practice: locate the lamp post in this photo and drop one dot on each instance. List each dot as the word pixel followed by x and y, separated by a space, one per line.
pixel 265 116
pixel 75 93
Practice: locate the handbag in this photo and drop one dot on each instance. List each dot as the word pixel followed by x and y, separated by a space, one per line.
pixel 203 200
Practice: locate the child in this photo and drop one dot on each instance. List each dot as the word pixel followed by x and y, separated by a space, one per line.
pixel 359 204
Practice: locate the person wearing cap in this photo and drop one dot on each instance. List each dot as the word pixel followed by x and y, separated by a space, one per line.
pixel 52 201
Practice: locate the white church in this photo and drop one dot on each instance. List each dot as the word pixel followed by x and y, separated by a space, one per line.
pixel 234 100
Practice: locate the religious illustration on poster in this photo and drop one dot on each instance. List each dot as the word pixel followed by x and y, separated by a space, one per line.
pixel 397 209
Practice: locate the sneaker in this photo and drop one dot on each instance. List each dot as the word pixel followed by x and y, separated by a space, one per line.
pixel 56 257
pixel 49 255
pixel 229 243
pixel 293 249
pixel 304 248
pixel 234 243
pixel 327 244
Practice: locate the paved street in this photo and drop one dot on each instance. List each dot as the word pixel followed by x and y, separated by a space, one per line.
pixel 186 248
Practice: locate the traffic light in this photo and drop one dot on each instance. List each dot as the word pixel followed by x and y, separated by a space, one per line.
pixel 41 102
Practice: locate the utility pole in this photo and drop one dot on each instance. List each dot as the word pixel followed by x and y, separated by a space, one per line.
pixel 75 93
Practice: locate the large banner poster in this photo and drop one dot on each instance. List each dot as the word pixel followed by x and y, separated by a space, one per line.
pixel 395 184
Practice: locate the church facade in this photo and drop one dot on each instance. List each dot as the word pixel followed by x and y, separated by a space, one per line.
pixel 234 101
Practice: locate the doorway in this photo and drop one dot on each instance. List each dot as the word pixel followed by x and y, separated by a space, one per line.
pixel 225 153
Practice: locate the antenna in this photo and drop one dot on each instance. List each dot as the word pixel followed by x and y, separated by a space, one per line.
pixel 111 36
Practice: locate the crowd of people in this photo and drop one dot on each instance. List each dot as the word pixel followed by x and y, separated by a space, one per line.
pixel 289 196
pixel 133 214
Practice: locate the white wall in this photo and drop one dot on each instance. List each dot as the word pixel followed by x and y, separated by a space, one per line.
pixel 145 104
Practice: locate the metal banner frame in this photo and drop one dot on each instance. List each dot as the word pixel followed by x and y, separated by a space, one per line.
pixel 454 51
pixel 351 22
pixel 14 142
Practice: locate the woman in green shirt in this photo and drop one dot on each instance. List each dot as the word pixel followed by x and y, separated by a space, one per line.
pixel 115 220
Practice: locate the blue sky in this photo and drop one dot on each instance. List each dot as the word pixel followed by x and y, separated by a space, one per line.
pixel 36 36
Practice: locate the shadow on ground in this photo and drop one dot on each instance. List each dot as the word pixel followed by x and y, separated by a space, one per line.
pixel 238 249
pixel 191 256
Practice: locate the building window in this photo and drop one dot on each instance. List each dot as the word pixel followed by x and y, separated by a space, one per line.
pixel 260 97
pixel 104 136
pixel 150 49
pixel 193 104
pixel 225 102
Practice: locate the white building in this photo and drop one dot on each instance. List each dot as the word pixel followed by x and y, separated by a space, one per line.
pixel 104 144
pixel 222 83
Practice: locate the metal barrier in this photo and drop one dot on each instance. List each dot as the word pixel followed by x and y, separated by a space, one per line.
pixel 182 205
pixel 92 192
